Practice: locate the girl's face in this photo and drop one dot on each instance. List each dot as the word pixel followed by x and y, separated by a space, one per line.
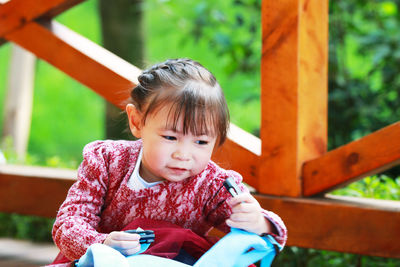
pixel 168 154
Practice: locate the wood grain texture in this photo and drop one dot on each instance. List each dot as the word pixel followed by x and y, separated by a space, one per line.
pixel 344 225
pixel 16 13
pixel 369 155
pixel 33 190
pixel 294 91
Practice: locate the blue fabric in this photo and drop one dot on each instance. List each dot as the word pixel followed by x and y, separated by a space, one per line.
pixel 102 255
pixel 234 250
pixel 237 249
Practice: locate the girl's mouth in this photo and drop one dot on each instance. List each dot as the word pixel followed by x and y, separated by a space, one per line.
pixel 177 170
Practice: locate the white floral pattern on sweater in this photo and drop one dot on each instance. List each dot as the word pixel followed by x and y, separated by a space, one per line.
pixel 101 200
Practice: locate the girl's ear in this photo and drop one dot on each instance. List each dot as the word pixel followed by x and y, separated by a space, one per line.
pixel 135 120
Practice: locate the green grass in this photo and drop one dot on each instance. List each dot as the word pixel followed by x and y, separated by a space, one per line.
pixel 376 186
pixel 66 115
pixel 64 118
pixel 5 51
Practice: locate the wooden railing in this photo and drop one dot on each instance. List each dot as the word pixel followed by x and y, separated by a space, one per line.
pixel 289 165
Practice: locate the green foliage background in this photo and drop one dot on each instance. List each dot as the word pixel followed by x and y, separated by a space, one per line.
pixel 225 36
pixel 364 57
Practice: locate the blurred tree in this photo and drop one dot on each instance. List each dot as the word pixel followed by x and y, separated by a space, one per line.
pixel 231 29
pixel 122 31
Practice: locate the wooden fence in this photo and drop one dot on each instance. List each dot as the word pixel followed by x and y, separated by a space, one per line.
pixel 289 164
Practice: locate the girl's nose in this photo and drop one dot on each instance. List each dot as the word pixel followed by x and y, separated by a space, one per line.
pixel 180 154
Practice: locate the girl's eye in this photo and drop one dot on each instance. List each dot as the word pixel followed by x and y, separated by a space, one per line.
pixel 168 137
pixel 201 142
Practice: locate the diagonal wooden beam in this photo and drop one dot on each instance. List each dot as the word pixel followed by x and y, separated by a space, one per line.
pixel 85 61
pixel 353 225
pixel 369 155
pixel 14 14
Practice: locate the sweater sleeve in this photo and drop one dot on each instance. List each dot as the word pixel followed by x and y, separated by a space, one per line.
pixel 218 210
pixel 78 217
pixel 277 222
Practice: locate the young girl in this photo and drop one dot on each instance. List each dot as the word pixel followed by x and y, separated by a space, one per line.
pixel 179 114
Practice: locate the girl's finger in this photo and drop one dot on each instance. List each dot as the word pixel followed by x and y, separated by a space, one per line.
pixel 237 217
pixel 243 217
pixel 243 207
pixel 124 245
pixel 245 197
pixel 235 224
pixel 248 226
pixel 123 236
pixel 131 251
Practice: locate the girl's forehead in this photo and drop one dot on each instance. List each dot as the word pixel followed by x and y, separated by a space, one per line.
pixel 195 128
pixel 197 119
pixel 167 120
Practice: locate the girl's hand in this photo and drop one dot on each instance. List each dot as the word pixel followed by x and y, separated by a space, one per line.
pixel 247 215
pixel 126 243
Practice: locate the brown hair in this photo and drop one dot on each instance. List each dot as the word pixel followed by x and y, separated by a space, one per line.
pixel 192 91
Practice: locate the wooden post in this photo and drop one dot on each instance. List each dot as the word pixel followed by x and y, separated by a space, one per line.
pixel 18 106
pixel 293 91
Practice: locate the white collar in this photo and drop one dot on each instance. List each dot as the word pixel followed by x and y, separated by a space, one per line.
pixel 136 181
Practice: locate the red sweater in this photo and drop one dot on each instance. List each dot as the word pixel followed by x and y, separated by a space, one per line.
pixel 101 201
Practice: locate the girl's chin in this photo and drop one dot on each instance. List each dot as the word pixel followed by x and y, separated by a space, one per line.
pixel 171 175
pixel 176 178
